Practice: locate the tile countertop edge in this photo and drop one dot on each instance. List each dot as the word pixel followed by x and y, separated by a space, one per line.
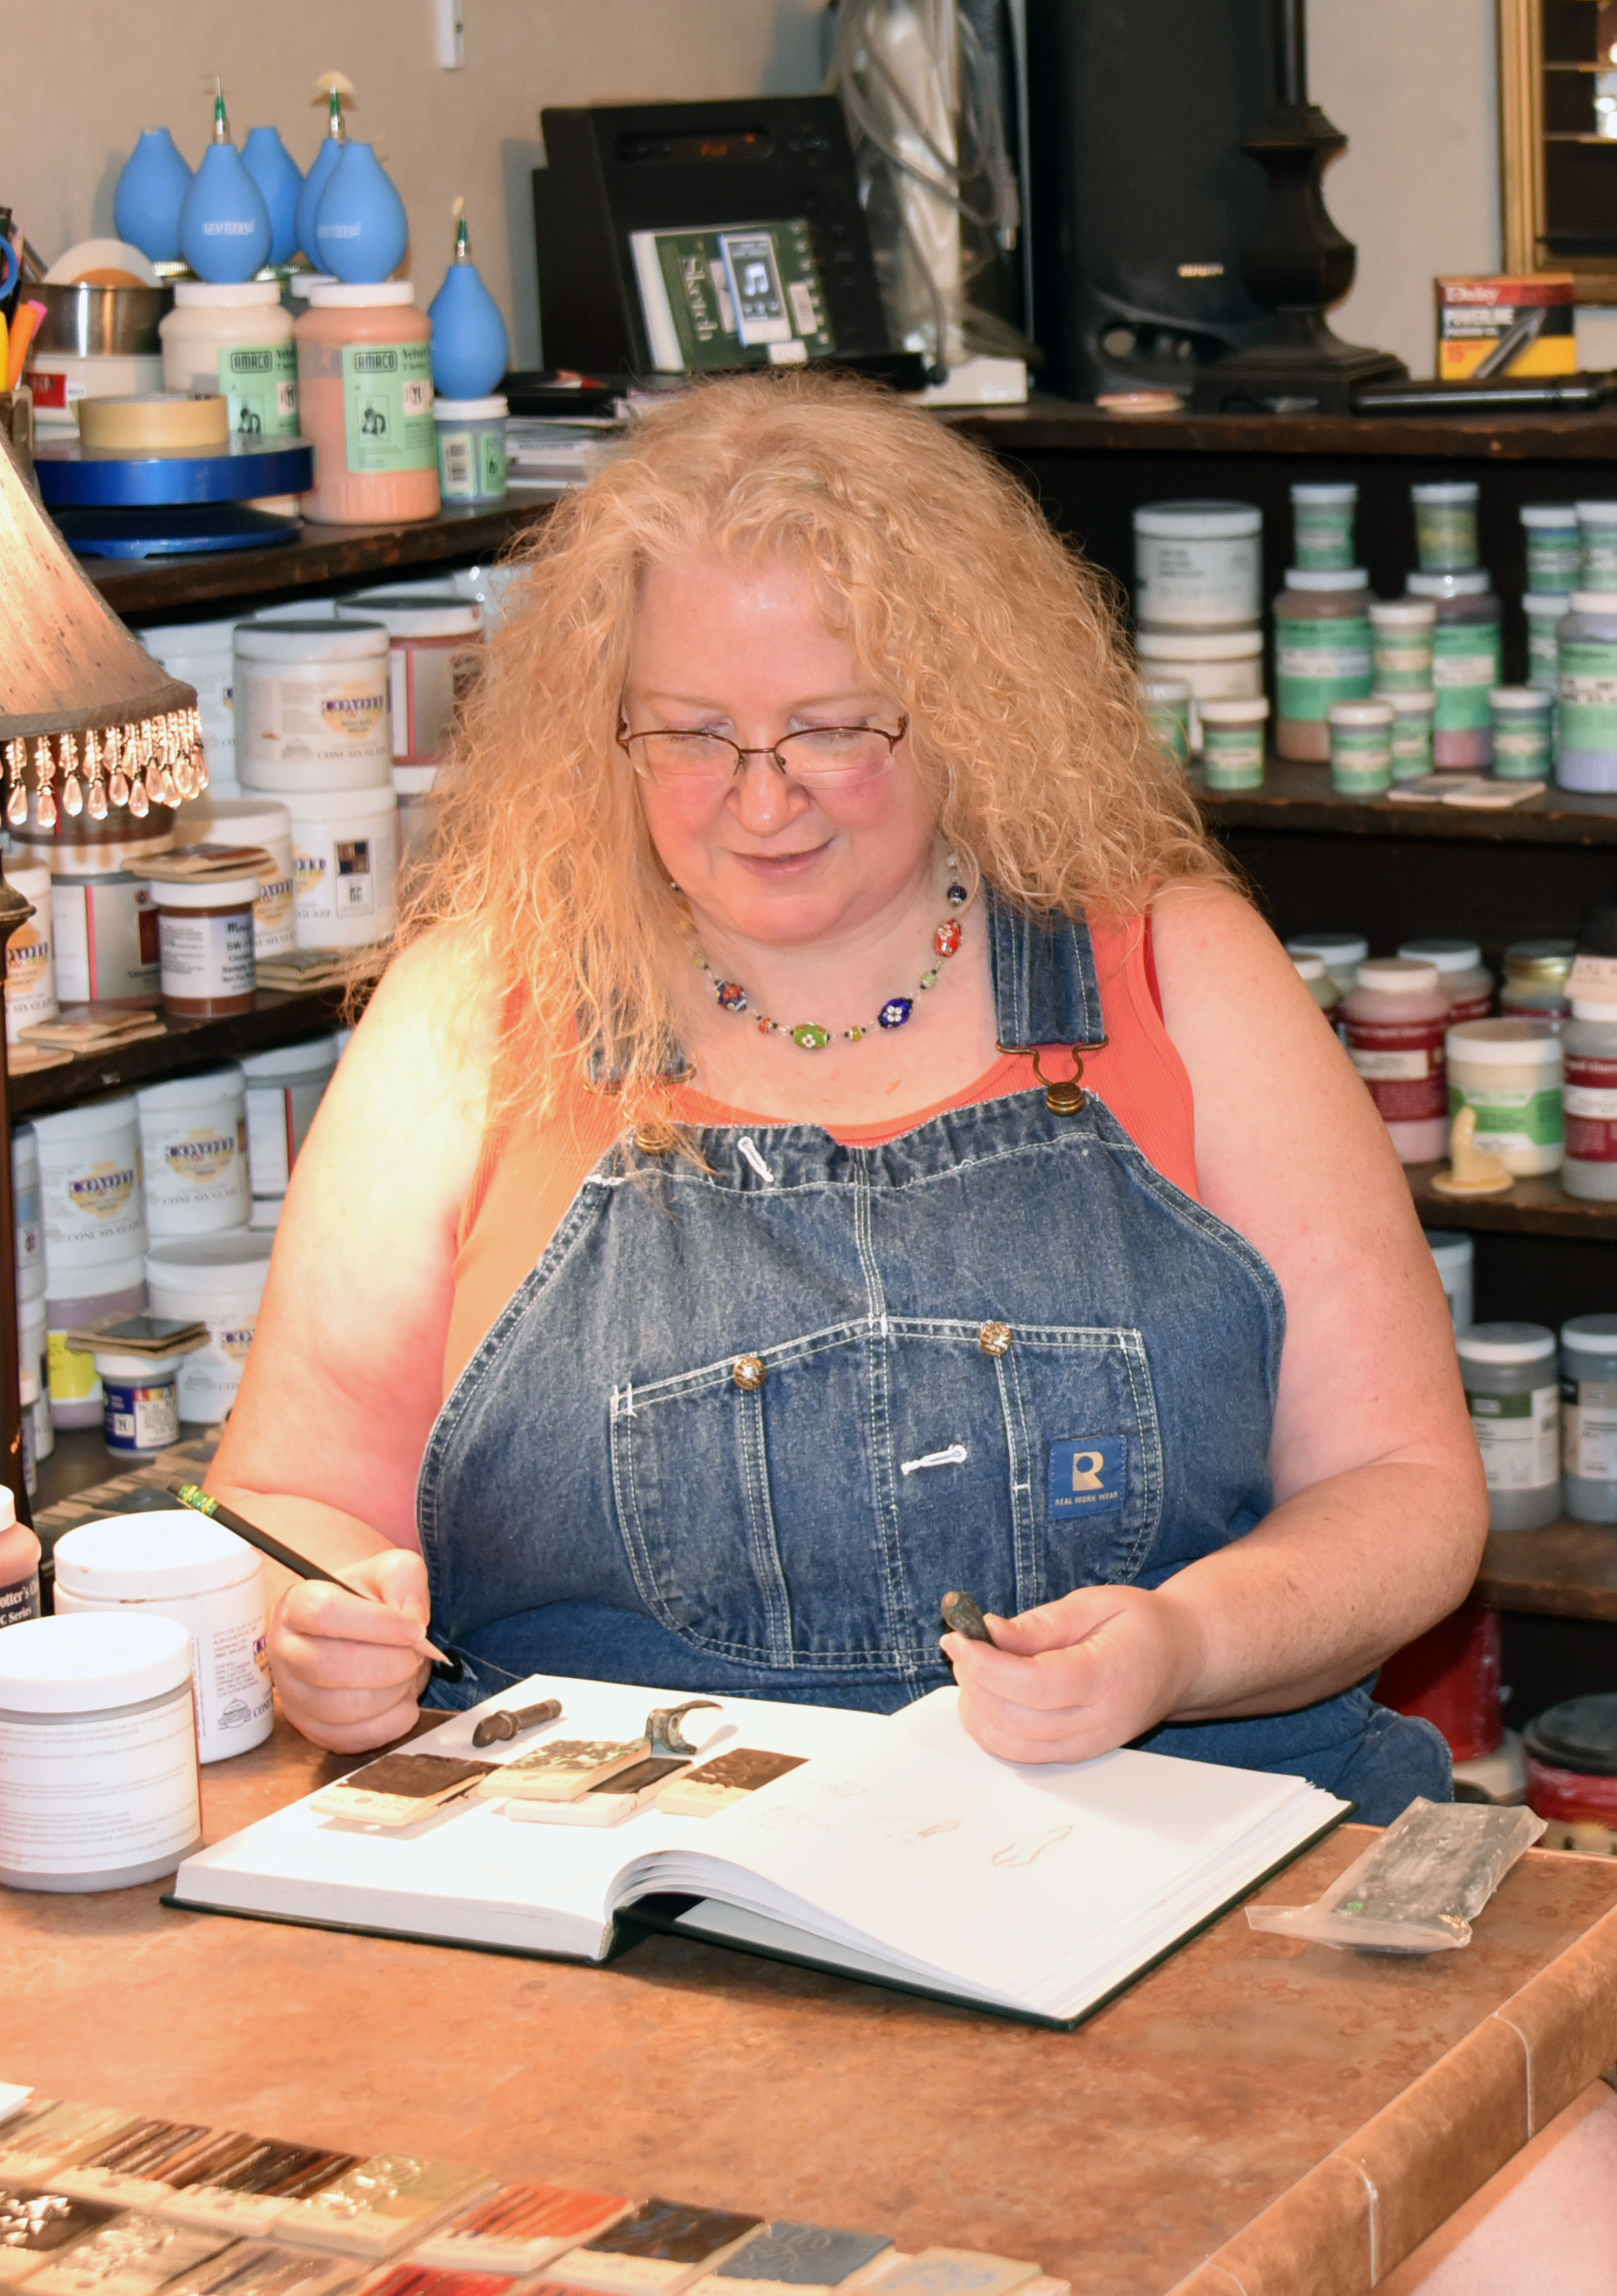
pixel 1389 2185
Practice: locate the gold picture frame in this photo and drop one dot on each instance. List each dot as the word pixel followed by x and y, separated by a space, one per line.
pixel 1522 158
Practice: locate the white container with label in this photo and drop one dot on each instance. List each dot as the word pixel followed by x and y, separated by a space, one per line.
pixel 283 1090
pixel 1588 1418
pixel 175 1564
pixel 264 821
pixel 119 1290
pixel 1513 1391
pixel 205 934
pixel 98 1770
pixel 312 706
pixel 203 653
pixel 90 1189
pixel 237 340
pixel 1544 611
pixel 436 638
pixel 1198 564
pixel 1586 730
pixel 217 1280
pixel 346 847
pixel 1509 1071
pixel 28 1213
pixel 30 953
pixel 106 947
pixel 140 1411
pixel 1217 665
pixel 193 1143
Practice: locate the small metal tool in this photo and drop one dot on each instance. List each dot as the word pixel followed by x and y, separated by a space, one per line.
pixel 961 1616
pixel 511 1721
pixel 663 1734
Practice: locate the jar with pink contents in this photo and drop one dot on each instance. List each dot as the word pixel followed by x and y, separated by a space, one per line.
pixel 1394 1022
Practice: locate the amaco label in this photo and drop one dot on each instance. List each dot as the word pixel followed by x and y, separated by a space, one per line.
pixel 258 384
pixel 1518 1437
pixel 387 396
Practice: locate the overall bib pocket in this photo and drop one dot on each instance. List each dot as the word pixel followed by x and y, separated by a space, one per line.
pixel 808 1505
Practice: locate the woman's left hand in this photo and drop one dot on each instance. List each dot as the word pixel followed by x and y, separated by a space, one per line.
pixel 1079 1675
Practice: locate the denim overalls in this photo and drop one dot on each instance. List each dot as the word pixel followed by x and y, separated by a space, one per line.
pixel 740 1428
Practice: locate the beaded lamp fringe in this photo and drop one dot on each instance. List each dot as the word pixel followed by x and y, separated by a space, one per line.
pixel 149 761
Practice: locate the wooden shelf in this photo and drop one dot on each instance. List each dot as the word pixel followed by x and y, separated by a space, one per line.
pixel 1300 798
pixel 1060 426
pixel 1566 1571
pixel 150 587
pixel 277 1019
pixel 1532 1208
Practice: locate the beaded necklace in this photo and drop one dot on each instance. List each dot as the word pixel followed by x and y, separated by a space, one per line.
pixel 810 1036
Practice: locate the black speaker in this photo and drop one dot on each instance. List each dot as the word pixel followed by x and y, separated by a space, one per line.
pixel 1142 199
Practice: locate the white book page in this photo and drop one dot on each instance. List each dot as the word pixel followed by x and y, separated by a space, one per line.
pixel 471 1872
pixel 1014 1879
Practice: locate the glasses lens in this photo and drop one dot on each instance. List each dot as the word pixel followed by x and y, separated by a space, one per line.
pixel 826 753
pixel 683 757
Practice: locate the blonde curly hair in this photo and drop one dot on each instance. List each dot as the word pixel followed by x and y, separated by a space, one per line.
pixel 1002 648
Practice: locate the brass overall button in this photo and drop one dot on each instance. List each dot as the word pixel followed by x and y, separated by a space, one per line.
pixel 654 1138
pixel 749 1373
pixel 995 1339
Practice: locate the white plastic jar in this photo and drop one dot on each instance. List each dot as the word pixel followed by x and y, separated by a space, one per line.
pixel 98 1768
pixel 30 953
pixel 1555 545
pixel 217 1280
pixel 1403 632
pixel 283 1090
pixel 1588 1045
pixel 237 340
pixel 345 843
pixel 1322 524
pixel 1217 665
pixel 1508 1071
pixel 1513 1391
pixel 194 1142
pixel 1454 1256
pixel 435 638
pixel 1469 984
pixel 203 653
pixel 173 1563
pixel 205 938
pixel 1232 742
pixel 1597 556
pixel 1588 1418
pixel 76 1302
pixel 1585 728
pixel 264 822
pixel 140 1410
pixel 1393 1020
pixel 1544 611
pixel 90 1187
pixel 1198 565
pixel 471 448
pixel 312 706
pixel 28 1213
pixel 105 929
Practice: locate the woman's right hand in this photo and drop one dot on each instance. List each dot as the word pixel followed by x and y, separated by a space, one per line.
pixel 348 1672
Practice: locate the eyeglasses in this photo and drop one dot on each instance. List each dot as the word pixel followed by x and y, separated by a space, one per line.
pixel 819 756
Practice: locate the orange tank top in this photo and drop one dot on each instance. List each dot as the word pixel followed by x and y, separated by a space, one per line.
pixel 530 1169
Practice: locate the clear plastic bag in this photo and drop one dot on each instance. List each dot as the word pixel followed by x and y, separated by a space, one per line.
pixel 1419 1886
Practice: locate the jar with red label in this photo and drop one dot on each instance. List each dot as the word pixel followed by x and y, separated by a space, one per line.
pixel 1588 1043
pixel 1571 1773
pixel 1393 1020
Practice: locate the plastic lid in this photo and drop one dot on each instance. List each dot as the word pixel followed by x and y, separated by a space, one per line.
pixel 373 295
pixel 1444 490
pixel 305 641
pixel 132 1558
pixel 221 1266
pixel 1371 713
pixel 83 1664
pixel 1310 968
pixel 469 410
pixel 1562 515
pixel 1512 1041
pixel 1200 521
pixel 1593 1335
pixel 1402 613
pixel 1471 584
pixel 1154 644
pixel 198 294
pixel 1547 605
pixel 440 615
pixel 87 1121
pixel 252 820
pixel 1327 578
pixel 1594 602
pixel 1549 960
pixel 1412 705
pixel 192 1091
pixel 340 805
pixel 1580 1734
pixel 1164 689
pixel 1534 700
pixel 315 1053
pixel 1593 1008
pixel 210 893
pixel 1335 947
pixel 1334 490
pixel 1399 976
pixel 1597 513
pixel 1233 710
pixel 415 781
pixel 1505 1343
pixel 1447 955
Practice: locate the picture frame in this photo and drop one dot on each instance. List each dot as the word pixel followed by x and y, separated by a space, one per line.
pixel 1554 164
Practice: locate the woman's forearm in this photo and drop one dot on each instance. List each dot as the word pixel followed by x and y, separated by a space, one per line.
pixel 1330 1584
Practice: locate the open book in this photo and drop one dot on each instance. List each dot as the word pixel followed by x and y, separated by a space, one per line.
pixel 896 1850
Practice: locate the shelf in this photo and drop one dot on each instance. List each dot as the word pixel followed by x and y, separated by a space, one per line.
pixel 1566 1571
pixel 1300 798
pixel 277 1019
pixel 321 554
pixel 1532 1208
pixel 1060 426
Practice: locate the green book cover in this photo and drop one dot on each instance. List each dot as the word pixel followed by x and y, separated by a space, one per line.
pixel 743 295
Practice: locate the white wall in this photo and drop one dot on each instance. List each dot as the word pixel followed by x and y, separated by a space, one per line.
pixel 1413 85
pixel 84 75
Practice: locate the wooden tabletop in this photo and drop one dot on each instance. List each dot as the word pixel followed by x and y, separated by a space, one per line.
pixel 1255 2116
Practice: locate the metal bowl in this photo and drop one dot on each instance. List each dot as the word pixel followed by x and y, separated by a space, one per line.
pixel 100 322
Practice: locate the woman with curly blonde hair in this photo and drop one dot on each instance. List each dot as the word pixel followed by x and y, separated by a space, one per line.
pixel 833 1134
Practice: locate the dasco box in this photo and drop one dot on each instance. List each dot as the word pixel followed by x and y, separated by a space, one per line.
pixel 1489 327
